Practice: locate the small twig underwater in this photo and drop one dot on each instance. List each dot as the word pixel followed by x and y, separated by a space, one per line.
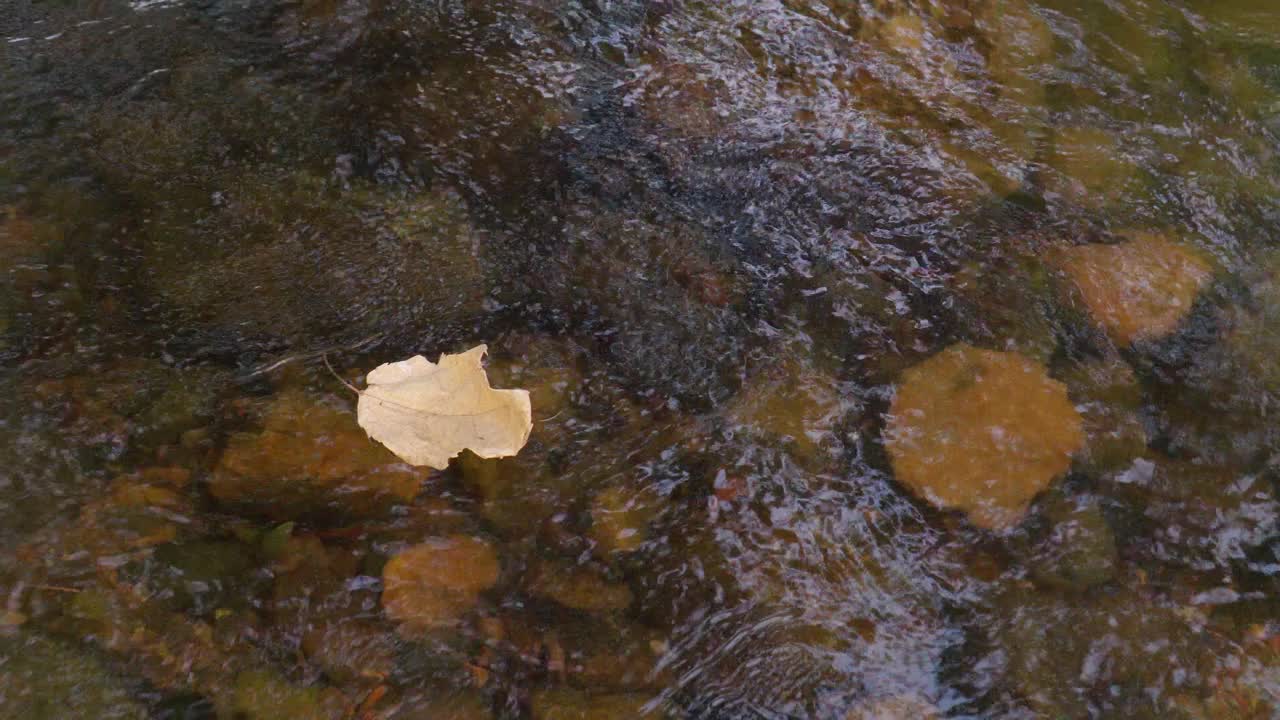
pixel 338 377
pixel 313 354
pixel 324 355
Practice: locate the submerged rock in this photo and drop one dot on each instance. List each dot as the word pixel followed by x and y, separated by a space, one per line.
pixel 350 651
pixel 1100 650
pixel 1248 688
pixel 593 651
pixel 592 448
pixel 430 705
pixel 1109 399
pixel 1140 289
pixel 20 238
pixel 1006 300
pixel 433 584
pixel 981 431
pixel 564 704
pixel 260 695
pixel 137 511
pixel 547 368
pixel 516 494
pixel 200 576
pixel 1092 165
pixel 677 97
pixel 44 680
pixel 189 402
pixel 1020 45
pixel 578 587
pixel 1020 40
pixel 895 708
pixel 620 519
pixel 1198 515
pixel 1077 549
pixel 1214 386
pixel 274 203
pixel 310 580
pixel 310 459
pixel 293 270
pixel 798 406
pixel 1253 328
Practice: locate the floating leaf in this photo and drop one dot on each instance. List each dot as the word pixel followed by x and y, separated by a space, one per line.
pixel 427 413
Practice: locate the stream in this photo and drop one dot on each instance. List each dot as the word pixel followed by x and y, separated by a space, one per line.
pixel 889 359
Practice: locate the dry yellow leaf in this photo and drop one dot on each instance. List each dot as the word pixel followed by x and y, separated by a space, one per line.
pixel 427 413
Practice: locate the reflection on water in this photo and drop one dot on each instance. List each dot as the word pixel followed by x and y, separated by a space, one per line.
pixel 888 359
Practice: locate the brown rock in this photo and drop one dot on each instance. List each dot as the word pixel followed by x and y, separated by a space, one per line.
pixel 436 705
pixel 1137 290
pixel 1020 41
pixel 795 404
pixel 580 588
pixel 1109 399
pixel 350 651
pixel 1092 165
pixel 563 704
pixel 684 98
pixel 435 583
pixel 981 431
pixel 311 458
pixel 620 520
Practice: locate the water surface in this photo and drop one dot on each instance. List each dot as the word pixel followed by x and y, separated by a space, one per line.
pixel 758 262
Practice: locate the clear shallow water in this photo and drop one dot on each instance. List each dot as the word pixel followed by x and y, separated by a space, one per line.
pixel 716 240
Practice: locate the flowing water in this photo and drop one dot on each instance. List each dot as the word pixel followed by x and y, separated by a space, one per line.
pixel 889 358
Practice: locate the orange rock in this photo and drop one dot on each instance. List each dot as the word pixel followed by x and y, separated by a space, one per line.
pixel 311 458
pixel 435 583
pixel 981 431
pixel 1137 290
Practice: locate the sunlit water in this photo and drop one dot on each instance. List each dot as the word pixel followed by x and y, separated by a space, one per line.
pixel 743 253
